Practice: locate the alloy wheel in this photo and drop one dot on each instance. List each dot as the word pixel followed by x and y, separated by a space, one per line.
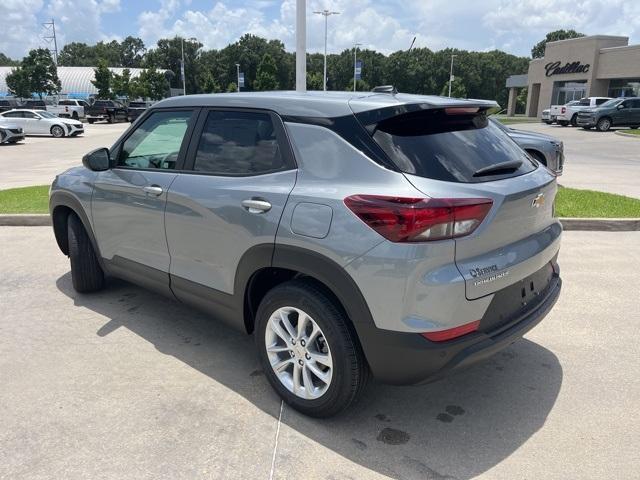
pixel 298 353
pixel 57 131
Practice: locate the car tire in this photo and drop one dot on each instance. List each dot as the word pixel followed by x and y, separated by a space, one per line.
pixel 110 119
pixel 74 116
pixel 574 120
pixel 604 124
pixel 547 122
pixel 335 342
pixel 564 123
pixel 90 121
pixel 57 131
pixel 86 273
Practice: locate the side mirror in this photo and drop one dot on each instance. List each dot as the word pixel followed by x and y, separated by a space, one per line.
pixel 620 107
pixel 97 160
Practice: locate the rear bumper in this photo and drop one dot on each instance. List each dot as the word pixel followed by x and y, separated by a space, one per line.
pixel 408 358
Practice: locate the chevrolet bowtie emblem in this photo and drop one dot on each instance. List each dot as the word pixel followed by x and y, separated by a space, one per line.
pixel 538 201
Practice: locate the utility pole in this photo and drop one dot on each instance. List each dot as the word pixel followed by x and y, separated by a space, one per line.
pixel 238 77
pixel 355 64
pixel 301 45
pixel 326 14
pixel 451 74
pixel 52 25
pixel 184 84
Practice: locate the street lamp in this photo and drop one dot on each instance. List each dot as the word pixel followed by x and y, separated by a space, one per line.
pixel 326 14
pixel 238 77
pixel 355 63
pixel 451 74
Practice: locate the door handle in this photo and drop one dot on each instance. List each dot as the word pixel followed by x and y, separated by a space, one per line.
pixel 255 205
pixel 153 190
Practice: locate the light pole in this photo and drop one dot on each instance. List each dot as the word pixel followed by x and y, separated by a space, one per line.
pixel 301 46
pixel 238 77
pixel 451 74
pixel 355 63
pixel 184 84
pixel 326 14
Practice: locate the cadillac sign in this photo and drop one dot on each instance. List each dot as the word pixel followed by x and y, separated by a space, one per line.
pixel 555 68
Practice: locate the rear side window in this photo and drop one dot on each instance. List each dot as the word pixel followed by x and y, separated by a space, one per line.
pixel 13 115
pixel 600 101
pixel 238 143
pixel 464 148
pixel 585 102
pixel 65 102
pixel 156 142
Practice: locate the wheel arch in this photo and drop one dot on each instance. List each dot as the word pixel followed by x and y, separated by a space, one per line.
pixel 61 205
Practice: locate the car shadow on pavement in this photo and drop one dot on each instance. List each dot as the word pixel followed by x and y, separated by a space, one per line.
pixel 458 427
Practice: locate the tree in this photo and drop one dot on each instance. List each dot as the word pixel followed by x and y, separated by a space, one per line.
pixel 19 83
pixel 167 55
pixel 232 87
pixel 538 49
pixel 210 84
pixel 132 52
pixel 121 84
pixel 458 89
pixel 42 72
pixel 314 81
pixel 266 77
pixel 103 77
pixel 7 62
pixel 151 84
pixel 77 54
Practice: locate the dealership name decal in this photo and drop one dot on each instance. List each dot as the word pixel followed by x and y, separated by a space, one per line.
pixel 554 68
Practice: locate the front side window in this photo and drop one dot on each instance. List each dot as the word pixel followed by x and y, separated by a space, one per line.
pixel 156 142
pixel 29 115
pixel 238 143
pixel 600 101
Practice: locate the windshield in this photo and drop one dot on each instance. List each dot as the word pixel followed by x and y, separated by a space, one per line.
pixel 44 114
pixel 451 147
pixel 611 103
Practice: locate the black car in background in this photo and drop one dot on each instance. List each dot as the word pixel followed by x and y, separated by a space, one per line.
pixel 7 104
pixel 109 110
pixel 34 105
pixel 137 108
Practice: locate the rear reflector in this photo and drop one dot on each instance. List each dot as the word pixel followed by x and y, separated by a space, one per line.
pixel 444 335
pixel 419 219
pixel 461 110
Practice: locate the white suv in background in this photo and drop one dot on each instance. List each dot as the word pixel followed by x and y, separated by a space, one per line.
pixel 569 113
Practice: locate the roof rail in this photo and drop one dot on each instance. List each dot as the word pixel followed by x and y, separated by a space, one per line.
pixel 385 89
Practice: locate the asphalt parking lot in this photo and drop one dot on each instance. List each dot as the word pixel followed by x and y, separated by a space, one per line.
pixel 126 384
pixel 595 160
pixel 38 159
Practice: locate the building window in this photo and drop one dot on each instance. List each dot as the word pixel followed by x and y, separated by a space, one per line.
pixel 624 87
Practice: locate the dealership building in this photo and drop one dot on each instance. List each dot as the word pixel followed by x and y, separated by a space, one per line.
pixel 594 66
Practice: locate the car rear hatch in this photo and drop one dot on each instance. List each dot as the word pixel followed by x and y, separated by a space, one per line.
pixel 453 152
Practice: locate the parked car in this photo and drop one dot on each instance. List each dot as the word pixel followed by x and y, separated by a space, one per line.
pixel 557 110
pixel 569 115
pixel 546 116
pixel 618 112
pixel 10 133
pixel 137 108
pixel 7 104
pixel 69 108
pixel 41 122
pixel 34 105
pixel 547 150
pixel 401 235
pixel 109 110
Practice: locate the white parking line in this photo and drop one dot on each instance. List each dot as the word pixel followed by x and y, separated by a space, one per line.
pixel 275 446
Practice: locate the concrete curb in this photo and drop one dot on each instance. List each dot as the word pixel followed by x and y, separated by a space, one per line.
pixel 625 134
pixel 601 224
pixel 24 220
pixel 585 224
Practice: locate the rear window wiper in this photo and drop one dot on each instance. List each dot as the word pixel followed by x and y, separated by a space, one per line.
pixel 498 168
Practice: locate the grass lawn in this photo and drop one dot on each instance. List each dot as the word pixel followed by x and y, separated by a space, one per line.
pixel 634 131
pixel 571 202
pixel 25 200
pixel 514 120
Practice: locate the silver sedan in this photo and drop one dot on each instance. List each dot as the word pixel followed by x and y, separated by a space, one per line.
pixel 40 122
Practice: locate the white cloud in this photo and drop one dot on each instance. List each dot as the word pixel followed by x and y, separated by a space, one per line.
pixel 20 26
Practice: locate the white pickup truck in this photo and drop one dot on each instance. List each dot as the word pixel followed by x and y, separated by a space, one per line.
pixel 568 113
pixel 69 108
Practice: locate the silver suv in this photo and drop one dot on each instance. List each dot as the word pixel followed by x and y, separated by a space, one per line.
pixel 353 234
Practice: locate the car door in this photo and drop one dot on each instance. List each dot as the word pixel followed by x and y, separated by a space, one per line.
pixel 634 113
pixel 622 113
pixel 230 202
pixel 129 199
pixel 15 118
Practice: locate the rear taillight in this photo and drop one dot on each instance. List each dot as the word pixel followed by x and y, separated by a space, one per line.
pixel 451 333
pixel 563 110
pixel 419 219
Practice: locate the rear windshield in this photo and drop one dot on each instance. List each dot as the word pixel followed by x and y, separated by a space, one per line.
pixel 137 104
pixel 465 148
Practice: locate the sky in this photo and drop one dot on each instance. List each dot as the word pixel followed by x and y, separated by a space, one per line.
pixel 385 25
